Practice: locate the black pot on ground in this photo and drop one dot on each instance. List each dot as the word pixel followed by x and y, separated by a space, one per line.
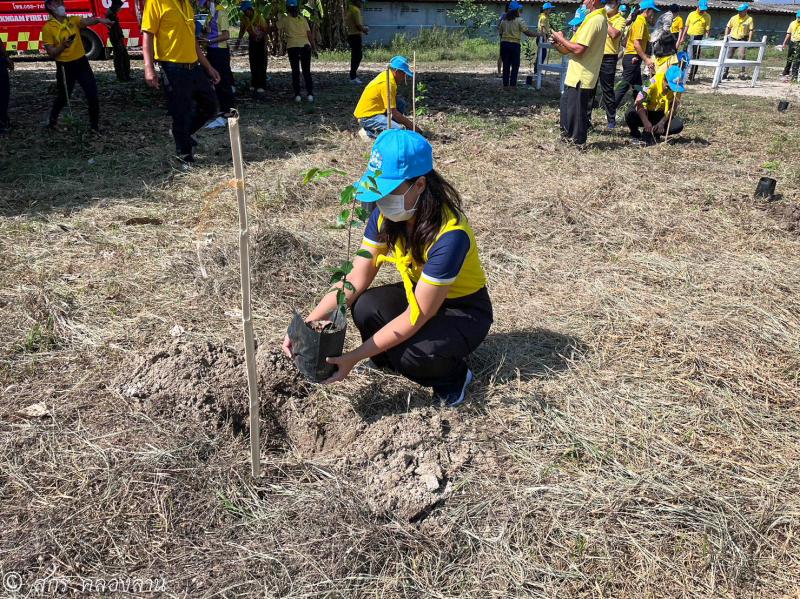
pixel 783 105
pixel 766 188
pixel 310 347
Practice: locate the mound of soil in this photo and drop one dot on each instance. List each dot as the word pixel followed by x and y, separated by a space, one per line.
pixel 402 463
pixel 788 214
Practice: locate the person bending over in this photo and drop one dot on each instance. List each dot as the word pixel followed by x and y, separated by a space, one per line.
pixel 652 107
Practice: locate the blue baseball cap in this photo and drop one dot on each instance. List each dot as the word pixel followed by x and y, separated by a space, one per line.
pixel 674 78
pixel 645 4
pixel 577 21
pixel 702 5
pixel 246 5
pixel 548 6
pixel 743 7
pixel 623 8
pixel 514 6
pixel 400 63
pixel 798 14
pixel 291 3
pixel 399 155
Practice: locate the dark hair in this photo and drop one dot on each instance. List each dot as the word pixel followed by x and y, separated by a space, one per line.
pixel 512 15
pixel 438 194
pixel 673 8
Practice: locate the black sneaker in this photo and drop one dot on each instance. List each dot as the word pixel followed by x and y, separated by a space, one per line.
pixel 453 399
pixel 185 161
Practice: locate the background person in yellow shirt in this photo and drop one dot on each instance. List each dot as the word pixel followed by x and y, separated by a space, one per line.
pixel 652 107
pixel 608 68
pixel 356 30
pixel 372 106
pixel 61 36
pixel 793 58
pixel 543 33
pixel 664 40
pixel 636 51
pixel 585 51
pixel 511 28
pixel 698 25
pixel 257 29
pixel 169 38
pixel 740 27
pixel 299 47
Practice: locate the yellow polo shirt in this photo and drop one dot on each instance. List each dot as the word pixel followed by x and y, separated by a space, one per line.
pixel 741 28
pixel 172 24
pixel 640 30
pixel 677 24
pixel 618 23
pixel 373 98
pixel 353 20
pixel 511 31
pixel 53 33
pixel 592 33
pixel 658 97
pixel 545 28
pixel 794 30
pixel 295 29
pixel 698 23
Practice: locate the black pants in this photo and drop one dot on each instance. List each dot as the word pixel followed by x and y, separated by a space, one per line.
pixel 5 95
pixel 76 71
pixel 631 77
pixel 191 101
pixel 257 54
pixel 575 104
pixel 510 55
pixel 605 83
pixel 696 51
pixel 634 122
pixel 738 52
pixel 434 357
pixel 301 57
pixel 543 53
pixel 793 60
pixel 356 53
pixel 220 59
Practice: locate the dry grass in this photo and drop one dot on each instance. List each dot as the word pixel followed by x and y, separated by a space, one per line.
pixel 639 390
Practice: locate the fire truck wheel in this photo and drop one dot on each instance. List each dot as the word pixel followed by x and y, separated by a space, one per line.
pixel 92 45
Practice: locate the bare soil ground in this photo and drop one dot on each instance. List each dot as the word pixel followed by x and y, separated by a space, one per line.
pixel 634 430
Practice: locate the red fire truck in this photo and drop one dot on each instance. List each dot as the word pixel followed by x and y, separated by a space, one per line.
pixel 21 23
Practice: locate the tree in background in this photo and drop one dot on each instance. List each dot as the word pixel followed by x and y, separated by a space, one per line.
pixel 476 19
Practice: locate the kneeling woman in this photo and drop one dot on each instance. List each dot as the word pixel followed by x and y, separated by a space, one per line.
pixel 424 327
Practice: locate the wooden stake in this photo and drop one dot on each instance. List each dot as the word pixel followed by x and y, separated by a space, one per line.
pixel 414 94
pixel 388 99
pixel 672 108
pixel 247 322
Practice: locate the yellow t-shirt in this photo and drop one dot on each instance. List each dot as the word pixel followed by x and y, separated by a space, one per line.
pixel 352 20
pixel 640 30
pixel 295 29
pixel 698 23
pixel 794 30
pixel 592 33
pixel 741 28
pixel 677 24
pixel 53 33
pixel 511 31
pixel 545 28
pixel 172 24
pixel 618 23
pixel 373 98
pixel 658 97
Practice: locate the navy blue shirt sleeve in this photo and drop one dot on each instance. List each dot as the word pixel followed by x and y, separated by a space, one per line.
pixel 371 230
pixel 445 258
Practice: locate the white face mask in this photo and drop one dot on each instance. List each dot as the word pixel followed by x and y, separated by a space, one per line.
pixel 60 11
pixel 609 9
pixel 393 207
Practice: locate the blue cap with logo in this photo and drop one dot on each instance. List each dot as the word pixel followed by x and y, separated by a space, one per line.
pixel 645 4
pixel 398 155
pixel 702 5
pixel 400 63
pixel 743 7
pixel 623 8
pixel 548 6
pixel 514 6
pixel 674 78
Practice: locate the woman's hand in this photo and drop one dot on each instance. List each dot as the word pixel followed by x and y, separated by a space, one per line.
pixel 344 364
pixel 287 346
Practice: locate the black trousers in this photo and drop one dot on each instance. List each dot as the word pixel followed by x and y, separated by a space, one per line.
pixel 605 84
pixel 543 53
pixel 631 77
pixel 257 55
pixel 356 53
pixel 220 59
pixel 301 57
pixel 5 95
pixel 435 356
pixel 695 53
pixel 792 60
pixel 575 103
pixel 634 122
pixel 76 71
pixel 190 99
pixel 510 55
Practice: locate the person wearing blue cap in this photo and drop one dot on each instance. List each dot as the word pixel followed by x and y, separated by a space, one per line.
pixel 698 26
pixel 300 45
pixel 664 41
pixel 371 110
pixel 585 51
pixel 653 106
pixel 740 28
pixel 793 57
pixel 511 28
pixel 636 51
pixel 608 68
pixel 544 31
pixel 426 325
pixel 257 29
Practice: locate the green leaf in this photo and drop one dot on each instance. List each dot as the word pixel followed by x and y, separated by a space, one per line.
pixel 347 195
pixel 337 276
pixel 349 286
pixel 341 298
pixel 364 254
pixel 310 175
pixel 346 267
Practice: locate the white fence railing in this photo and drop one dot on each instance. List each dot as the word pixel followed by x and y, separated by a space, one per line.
pixel 550 67
pixel 722 61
